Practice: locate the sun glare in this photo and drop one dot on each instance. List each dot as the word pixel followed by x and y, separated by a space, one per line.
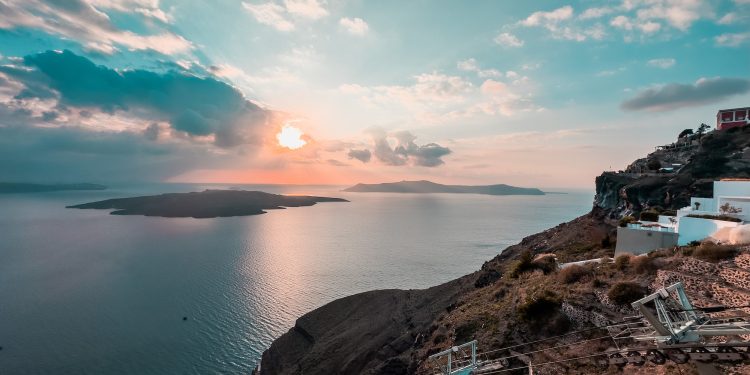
pixel 290 137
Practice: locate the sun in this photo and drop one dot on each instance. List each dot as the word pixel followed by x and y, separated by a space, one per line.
pixel 290 137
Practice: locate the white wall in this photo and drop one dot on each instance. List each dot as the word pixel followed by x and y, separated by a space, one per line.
pixel 697 229
pixel 731 189
pixel 639 241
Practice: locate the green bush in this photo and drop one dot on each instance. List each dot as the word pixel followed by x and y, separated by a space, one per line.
pixel 711 252
pixel 626 292
pixel 573 273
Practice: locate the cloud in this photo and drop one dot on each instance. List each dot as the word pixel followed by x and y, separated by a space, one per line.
pixel 282 17
pixel 354 26
pixel 470 65
pixel 362 155
pixel 270 14
pixel 728 19
pixel 549 18
pixel 732 40
pixel 595 13
pixel 665 63
pixel 677 95
pixel 561 26
pixel 198 107
pixel 405 150
pixel 508 40
pixel 312 9
pixel 82 21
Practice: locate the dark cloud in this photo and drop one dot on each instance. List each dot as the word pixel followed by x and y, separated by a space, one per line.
pixel 73 154
pixel 429 155
pixel 195 105
pixel 677 95
pixel 363 155
pixel 151 132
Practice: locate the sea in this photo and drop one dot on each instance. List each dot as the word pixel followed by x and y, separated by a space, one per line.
pixel 85 292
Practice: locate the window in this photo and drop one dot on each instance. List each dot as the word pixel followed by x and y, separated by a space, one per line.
pixel 740 115
pixel 727 116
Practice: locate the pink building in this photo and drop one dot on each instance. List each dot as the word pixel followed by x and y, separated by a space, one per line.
pixel 731 118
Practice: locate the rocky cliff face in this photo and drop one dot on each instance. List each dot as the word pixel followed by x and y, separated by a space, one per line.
pixel 394 331
pixel 716 155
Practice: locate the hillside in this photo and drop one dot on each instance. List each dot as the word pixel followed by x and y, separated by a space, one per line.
pixel 427 187
pixel 393 332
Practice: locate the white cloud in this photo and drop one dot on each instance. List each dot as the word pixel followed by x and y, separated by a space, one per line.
pixel 622 22
pixel 354 26
pixel 508 40
pixel 732 39
pixel 664 63
pixel 90 26
pixel 649 27
pixel 282 17
pixel 270 14
pixel 728 19
pixel 311 9
pixel 493 87
pixel 595 13
pixel 680 14
pixel 547 18
pixel 470 65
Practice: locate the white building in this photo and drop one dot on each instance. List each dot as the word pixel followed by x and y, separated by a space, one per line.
pixel 728 208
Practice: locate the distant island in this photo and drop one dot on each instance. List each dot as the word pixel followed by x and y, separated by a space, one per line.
pixel 424 187
pixel 19 187
pixel 205 204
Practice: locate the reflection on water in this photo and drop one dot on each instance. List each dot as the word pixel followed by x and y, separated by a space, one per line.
pixel 84 291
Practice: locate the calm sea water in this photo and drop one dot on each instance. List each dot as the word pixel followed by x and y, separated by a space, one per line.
pixel 85 292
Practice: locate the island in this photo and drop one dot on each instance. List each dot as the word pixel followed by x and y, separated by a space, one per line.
pixel 424 187
pixel 21 187
pixel 205 204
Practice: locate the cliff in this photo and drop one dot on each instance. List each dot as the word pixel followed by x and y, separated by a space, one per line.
pixel 518 296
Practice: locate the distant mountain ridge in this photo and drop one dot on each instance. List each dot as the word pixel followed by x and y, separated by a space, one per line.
pixel 21 187
pixel 426 187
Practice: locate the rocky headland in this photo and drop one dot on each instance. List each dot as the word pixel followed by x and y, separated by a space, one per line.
pixel 520 296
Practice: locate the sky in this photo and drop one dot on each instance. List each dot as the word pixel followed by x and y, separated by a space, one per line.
pixel 541 94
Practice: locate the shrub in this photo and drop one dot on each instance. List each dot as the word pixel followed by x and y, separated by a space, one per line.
pixel 547 264
pixel 487 277
pixel 653 164
pixel 711 252
pixel 694 243
pixel 539 305
pixel 716 217
pixel 649 216
pixel 644 264
pixel 606 242
pixel 438 338
pixel 573 273
pixel 626 292
pixel 625 220
pixel 465 332
pixel 596 283
pixel 522 265
pixel 622 262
